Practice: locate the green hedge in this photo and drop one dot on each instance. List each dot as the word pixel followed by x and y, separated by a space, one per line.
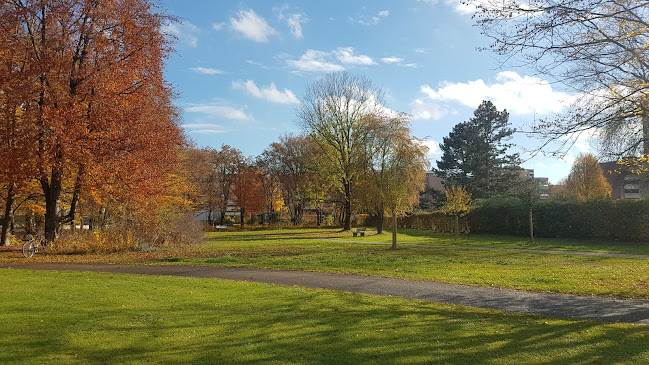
pixel 436 222
pixel 614 220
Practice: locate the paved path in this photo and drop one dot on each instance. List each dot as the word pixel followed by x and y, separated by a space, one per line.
pixel 584 253
pixel 567 306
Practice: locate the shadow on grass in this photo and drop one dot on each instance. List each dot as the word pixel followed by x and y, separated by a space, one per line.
pixel 205 322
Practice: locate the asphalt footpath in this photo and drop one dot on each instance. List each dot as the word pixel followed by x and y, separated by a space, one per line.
pixel 558 305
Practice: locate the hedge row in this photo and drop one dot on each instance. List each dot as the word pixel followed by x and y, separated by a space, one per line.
pixel 616 220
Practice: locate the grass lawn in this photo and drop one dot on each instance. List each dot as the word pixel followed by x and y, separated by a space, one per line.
pixel 442 260
pixel 70 317
pixel 306 250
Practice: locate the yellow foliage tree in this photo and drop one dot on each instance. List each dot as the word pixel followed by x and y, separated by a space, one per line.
pixel 586 179
pixel 458 202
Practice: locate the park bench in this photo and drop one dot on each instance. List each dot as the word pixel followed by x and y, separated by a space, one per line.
pixel 221 228
pixel 360 231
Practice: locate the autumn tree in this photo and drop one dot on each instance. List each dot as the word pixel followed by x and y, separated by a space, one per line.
pixel 476 154
pixel 269 187
pixel 247 191
pixel 586 179
pixel 291 162
pixel 97 96
pixel 17 130
pixel 394 172
pixel 458 203
pixel 597 48
pixel 225 164
pixel 333 113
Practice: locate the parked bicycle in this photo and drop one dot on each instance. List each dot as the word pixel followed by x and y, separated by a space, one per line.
pixel 34 245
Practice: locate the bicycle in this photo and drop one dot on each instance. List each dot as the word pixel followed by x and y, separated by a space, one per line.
pixel 34 245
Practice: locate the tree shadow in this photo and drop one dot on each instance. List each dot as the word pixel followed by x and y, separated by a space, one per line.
pixel 213 321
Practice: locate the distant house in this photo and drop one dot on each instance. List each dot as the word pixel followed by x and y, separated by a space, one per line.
pixel 624 183
pixel 432 181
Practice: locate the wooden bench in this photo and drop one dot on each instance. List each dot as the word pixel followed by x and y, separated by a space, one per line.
pixel 221 228
pixel 360 231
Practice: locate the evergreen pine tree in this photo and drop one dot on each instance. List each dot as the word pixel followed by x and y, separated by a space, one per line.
pixel 474 154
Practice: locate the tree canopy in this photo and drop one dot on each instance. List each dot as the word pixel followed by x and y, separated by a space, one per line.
pixel 597 48
pixel 475 154
pixel 586 179
pixel 334 114
pixel 96 110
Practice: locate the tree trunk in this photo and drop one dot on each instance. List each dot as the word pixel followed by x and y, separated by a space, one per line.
pixel 394 230
pixel 457 227
pixel 5 239
pixel 222 218
pixel 531 226
pixel 348 207
pixel 379 222
pixel 242 211
pixel 52 191
pixel 645 128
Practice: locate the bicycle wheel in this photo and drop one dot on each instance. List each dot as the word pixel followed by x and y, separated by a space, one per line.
pixel 29 249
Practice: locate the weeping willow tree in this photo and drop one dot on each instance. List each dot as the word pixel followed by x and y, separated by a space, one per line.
pixel 394 169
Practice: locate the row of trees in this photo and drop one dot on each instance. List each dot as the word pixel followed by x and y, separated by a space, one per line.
pixel 354 151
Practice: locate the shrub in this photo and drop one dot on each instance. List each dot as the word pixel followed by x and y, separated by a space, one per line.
pixel 436 222
pixel 601 219
pixel 108 240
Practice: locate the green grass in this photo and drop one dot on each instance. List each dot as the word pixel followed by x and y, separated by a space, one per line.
pixel 332 251
pixel 79 318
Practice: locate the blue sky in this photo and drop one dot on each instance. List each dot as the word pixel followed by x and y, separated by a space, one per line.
pixel 241 68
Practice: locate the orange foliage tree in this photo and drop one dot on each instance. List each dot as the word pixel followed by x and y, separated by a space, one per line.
pixel 248 191
pixel 99 107
pixel 291 162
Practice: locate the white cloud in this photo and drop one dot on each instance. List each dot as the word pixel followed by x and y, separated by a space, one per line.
pixel 270 93
pixel 370 19
pixel 206 71
pixel 462 7
pixel 391 60
pixel 218 111
pixel 185 32
pixel 427 110
pixel 294 21
pixel 315 61
pixel 252 26
pixel 433 148
pixel 346 56
pixel 334 61
pixel 204 128
pixel 218 26
pixel 517 94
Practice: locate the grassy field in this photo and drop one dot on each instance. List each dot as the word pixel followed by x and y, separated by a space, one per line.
pixel 328 251
pixel 440 259
pixel 64 317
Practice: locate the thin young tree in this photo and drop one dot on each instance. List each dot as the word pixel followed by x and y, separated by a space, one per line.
pixel 395 168
pixel 458 203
